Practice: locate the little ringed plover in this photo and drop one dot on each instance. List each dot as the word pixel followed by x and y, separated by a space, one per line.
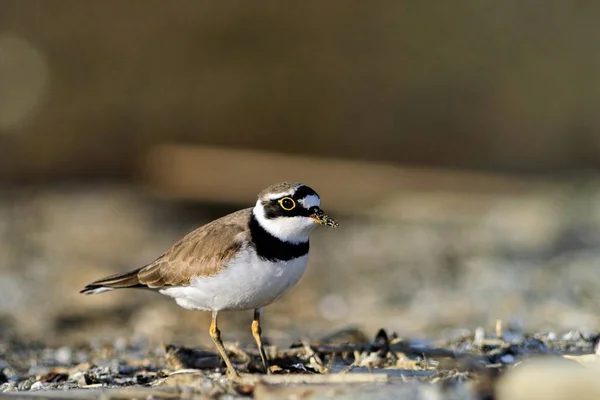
pixel 242 261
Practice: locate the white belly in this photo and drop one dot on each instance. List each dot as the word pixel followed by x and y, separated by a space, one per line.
pixel 246 283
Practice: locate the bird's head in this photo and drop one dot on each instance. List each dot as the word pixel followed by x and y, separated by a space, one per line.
pixel 290 211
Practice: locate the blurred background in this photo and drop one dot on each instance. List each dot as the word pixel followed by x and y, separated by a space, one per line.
pixel 457 143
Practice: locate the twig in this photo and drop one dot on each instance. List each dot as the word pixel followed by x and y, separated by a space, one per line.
pixel 314 360
pixel 330 363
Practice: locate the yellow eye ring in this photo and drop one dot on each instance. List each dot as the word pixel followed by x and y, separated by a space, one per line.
pixel 287 203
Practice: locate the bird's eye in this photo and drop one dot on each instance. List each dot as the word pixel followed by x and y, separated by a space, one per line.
pixel 287 203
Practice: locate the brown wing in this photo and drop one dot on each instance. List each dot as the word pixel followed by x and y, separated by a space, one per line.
pixel 203 252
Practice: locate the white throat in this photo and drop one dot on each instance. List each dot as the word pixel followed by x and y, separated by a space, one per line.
pixel 288 229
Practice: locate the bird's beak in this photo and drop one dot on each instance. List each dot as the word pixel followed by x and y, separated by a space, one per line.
pixel 321 218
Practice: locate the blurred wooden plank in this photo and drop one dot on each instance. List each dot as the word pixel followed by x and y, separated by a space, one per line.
pixel 233 176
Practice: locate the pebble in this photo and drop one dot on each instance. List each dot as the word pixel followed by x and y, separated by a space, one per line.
pixel 8 387
pixel 24 385
pixel 512 336
pixel 532 345
pixel 507 359
pixel 37 386
pixel 572 336
pixel 78 377
pixel 49 369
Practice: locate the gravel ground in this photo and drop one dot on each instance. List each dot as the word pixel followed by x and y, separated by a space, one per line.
pixel 467 366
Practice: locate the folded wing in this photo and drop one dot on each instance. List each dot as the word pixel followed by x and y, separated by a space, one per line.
pixel 203 252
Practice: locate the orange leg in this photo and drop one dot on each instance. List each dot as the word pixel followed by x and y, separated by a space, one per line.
pixel 256 331
pixel 215 335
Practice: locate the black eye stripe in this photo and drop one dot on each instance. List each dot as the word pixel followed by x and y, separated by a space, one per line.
pixel 272 209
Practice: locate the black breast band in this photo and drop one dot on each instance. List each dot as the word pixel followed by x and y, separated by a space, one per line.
pixel 270 248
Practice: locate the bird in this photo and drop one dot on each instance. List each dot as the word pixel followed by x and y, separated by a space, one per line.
pixel 242 261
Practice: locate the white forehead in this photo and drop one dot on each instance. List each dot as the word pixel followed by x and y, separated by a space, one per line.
pixel 310 201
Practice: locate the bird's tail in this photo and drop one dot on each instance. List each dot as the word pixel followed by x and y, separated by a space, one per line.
pixel 119 281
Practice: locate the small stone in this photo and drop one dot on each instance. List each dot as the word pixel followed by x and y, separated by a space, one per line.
pixel 572 336
pixel 532 345
pixel 8 387
pixel 511 336
pixel 37 386
pixel 80 378
pixel 24 385
pixel 507 359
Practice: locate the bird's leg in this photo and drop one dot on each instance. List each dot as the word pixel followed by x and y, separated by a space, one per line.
pixel 215 335
pixel 256 331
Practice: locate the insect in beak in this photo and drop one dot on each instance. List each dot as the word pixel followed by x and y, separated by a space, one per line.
pixel 320 217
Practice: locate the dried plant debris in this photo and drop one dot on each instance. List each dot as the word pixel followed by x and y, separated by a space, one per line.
pixel 468 366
